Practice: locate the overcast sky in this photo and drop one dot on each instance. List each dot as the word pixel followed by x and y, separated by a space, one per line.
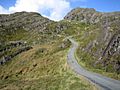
pixel 56 9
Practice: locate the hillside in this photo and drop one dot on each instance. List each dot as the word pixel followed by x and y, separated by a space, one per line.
pixel 91 16
pixel 99 46
pixel 33 49
pixel 33 53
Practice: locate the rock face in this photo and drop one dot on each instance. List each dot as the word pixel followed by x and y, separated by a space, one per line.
pixel 12 44
pixel 9 57
pixel 111 53
pixel 17 46
pixel 107 43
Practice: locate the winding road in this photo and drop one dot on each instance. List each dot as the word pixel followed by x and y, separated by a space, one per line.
pixel 103 82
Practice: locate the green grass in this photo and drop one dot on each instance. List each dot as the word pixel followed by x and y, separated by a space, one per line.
pixel 32 70
pixel 44 67
pixel 85 34
pixel 87 60
pixel 10 36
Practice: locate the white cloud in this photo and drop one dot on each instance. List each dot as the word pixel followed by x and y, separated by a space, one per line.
pixel 3 10
pixel 57 9
pixel 53 9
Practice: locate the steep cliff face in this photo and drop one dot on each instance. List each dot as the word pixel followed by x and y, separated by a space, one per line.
pixel 105 46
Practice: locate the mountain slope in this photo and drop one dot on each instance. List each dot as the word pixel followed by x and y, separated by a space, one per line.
pixel 90 15
pixel 33 49
pixel 102 42
pixel 43 66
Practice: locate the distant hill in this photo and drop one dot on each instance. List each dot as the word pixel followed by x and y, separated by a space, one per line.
pixel 90 15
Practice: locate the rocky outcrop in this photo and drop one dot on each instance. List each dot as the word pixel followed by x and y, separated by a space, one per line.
pixel 111 54
pixel 84 15
pixel 9 57
pixel 12 44
pixel 26 20
pixel 11 49
pixel 90 15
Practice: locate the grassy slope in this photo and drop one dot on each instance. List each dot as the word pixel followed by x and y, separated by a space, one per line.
pixel 44 68
pixel 84 34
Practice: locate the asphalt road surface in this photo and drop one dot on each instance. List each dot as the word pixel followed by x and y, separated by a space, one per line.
pixel 103 82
